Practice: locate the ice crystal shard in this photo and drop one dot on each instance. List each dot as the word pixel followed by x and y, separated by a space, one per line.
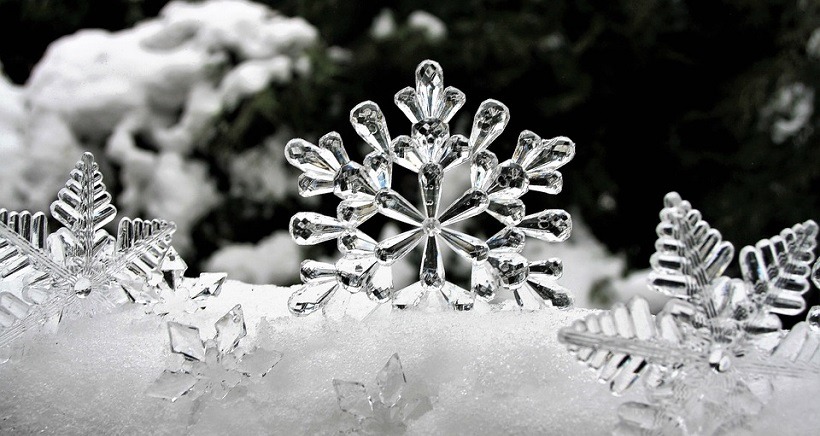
pixel 701 359
pixel 214 366
pixel 431 150
pixel 80 268
pixel 386 410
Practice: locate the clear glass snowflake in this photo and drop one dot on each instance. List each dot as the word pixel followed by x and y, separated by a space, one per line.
pixel 79 269
pixel 389 408
pixel 215 366
pixel 175 294
pixel 430 151
pixel 704 359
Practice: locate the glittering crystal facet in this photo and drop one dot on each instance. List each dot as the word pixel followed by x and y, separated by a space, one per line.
pixel 230 329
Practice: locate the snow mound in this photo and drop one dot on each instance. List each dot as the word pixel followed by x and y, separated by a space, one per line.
pixel 491 373
pixel 148 97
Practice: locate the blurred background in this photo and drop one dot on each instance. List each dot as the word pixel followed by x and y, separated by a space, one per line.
pixel 188 105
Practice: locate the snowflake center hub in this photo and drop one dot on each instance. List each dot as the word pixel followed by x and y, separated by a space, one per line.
pixel 431 226
pixel 82 287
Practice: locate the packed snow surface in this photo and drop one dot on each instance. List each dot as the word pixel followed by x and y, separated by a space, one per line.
pixel 487 373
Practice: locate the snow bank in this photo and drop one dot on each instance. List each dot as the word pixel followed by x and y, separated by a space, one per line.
pixel 147 96
pixel 493 373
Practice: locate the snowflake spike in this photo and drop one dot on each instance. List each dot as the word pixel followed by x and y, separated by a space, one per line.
pixel 429 87
pixel 22 242
pixel 368 121
pixel 490 120
pixel 141 245
pixel 407 101
pixel 316 161
pixel 83 205
pixel 778 269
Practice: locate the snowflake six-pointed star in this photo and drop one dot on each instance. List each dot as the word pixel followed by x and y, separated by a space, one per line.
pixel 386 408
pixel 703 363
pixel 215 366
pixel 80 268
pixel 430 151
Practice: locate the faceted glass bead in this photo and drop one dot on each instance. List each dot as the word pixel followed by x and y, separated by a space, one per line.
pixel 483 166
pixel 453 101
pixel 510 181
pixel 490 120
pixel 430 134
pixel 509 211
pixel 552 225
pixel 308 228
pixel 429 85
pixel 407 101
pixel 369 122
pixel 407 153
pixel 430 176
pixel 512 268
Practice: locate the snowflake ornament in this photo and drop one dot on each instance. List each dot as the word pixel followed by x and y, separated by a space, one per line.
pixel 704 360
pixel 80 268
pixel 430 151
pixel 176 294
pixel 215 366
pixel 388 409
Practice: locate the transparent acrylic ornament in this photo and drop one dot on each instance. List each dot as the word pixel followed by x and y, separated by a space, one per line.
pixel 703 360
pixel 430 151
pixel 386 408
pixel 215 366
pixel 80 269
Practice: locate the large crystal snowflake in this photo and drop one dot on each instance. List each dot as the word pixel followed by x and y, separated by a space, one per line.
pixel 388 408
pixel 702 359
pixel 430 151
pixel 80 268
pixel 215 366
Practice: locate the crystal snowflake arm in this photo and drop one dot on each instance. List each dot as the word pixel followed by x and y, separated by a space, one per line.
pixel 624 341
pixel 797 355
pixel 84 207
pixel 689 253
pixel 22 245
pixel 368 121
pixel 140 247
pixel 778 269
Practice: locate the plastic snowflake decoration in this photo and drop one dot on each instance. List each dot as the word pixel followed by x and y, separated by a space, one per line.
pixel 703 360
pixel 214 366
pixel 80 268
pixel 430 151
pixel 387 410
pixel 173 293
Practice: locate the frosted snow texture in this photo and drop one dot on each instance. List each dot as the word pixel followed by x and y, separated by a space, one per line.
pixel 214 366
pixel 79 269
pixel 430 151
pixel 486 373
pixel 706 360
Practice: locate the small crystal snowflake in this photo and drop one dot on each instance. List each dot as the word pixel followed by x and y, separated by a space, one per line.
pixel 388 409
pixel 702 359
pixel 176 294
pixel 430 151
pixel 214 366
pixel 80 268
